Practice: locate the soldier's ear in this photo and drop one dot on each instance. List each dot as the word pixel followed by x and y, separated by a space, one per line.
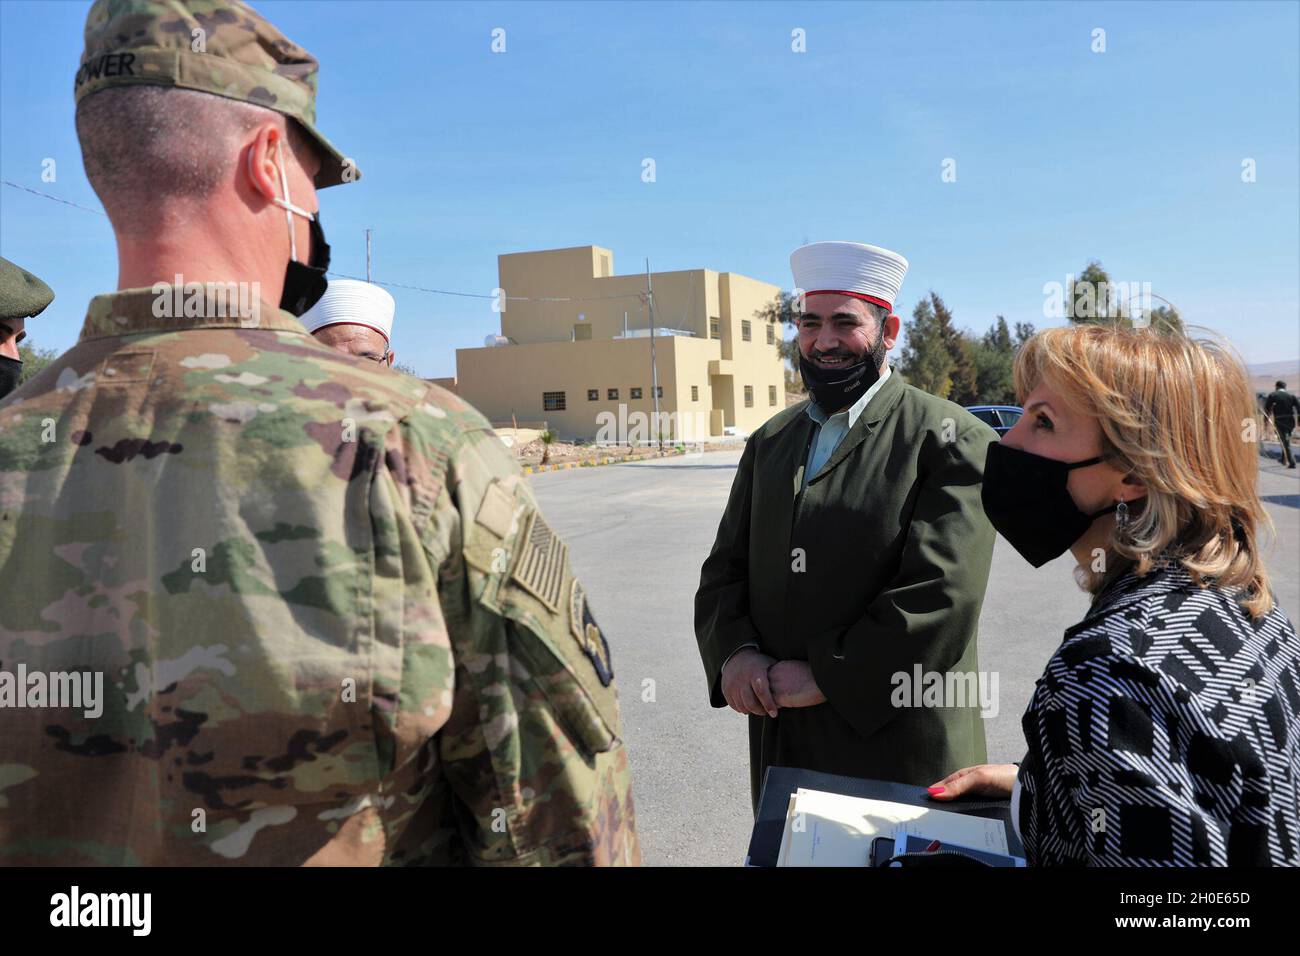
pixel 262 151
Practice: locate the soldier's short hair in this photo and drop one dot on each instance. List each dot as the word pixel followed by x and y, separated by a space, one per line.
pixel 144 145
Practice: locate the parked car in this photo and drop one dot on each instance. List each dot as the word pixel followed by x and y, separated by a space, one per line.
pixel 1001 417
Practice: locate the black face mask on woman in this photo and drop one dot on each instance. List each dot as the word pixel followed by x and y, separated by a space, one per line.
pixel 1027 501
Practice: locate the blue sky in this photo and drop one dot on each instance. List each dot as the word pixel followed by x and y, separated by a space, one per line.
pixel 1132 156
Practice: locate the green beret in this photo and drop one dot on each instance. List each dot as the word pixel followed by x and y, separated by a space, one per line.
pixel 222 47
pixel 22 295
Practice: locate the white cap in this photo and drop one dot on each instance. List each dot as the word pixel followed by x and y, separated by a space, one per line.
pixel 353 302
pixel 849 268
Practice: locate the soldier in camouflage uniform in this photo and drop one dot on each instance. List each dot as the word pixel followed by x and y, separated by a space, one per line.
pixel 331 623
pixel 22 296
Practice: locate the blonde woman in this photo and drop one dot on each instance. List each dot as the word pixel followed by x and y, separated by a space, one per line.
pixel 1165 730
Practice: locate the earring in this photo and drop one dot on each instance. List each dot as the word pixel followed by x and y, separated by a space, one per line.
pixel 1121 516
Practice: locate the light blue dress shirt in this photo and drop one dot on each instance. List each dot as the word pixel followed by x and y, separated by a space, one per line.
pixel 835 427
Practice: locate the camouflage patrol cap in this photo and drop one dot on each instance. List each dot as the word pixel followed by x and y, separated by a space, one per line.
pixel 222 47
pixel 22 295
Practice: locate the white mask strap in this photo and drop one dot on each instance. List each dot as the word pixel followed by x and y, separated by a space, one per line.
pixel 290 210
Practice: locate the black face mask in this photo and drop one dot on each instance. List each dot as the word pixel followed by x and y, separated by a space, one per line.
pixel 833 389
pixel 1026 499
pixel 304 284
pixel 11 370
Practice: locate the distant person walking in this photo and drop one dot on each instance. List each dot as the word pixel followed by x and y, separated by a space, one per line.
pixel 1282 407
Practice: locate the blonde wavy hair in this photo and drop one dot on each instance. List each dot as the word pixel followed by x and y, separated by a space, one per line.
pixel 1179 414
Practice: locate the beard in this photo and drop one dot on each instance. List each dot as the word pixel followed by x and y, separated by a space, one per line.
pixel 875 354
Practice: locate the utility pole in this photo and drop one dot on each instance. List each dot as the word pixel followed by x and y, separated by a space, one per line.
pixel 654 366
pixel 367 255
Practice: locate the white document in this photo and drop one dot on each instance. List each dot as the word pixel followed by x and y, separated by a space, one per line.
pixel 831 829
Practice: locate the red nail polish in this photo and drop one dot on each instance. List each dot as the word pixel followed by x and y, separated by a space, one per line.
pixel 934 790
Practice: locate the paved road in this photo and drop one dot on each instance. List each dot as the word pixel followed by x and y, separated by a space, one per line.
pixel 637 534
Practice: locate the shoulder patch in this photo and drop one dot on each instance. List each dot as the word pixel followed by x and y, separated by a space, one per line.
pixel 541 561
pixel 125 367
pixel 496 510
pixel 588 634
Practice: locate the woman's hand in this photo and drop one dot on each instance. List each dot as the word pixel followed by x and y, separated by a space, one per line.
pixel 992 780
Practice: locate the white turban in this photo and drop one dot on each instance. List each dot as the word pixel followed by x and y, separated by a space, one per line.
pixel 849 268
pixel 353 302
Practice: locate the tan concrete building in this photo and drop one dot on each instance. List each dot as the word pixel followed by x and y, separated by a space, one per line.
pixel 576 354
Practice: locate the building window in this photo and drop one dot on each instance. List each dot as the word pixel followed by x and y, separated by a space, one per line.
pixel 771 335
pixel 695 393
pixel 636 393
pixel 552 401
pixel 659 391
pixel 771 395
pixel 749 396
pixel 593 394
pixel 745 332
pixel 715 328
pixel 612 394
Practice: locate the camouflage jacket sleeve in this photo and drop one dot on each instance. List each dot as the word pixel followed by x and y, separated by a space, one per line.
pixel 532 751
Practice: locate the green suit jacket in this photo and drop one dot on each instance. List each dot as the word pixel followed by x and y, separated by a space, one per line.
pixel 879 565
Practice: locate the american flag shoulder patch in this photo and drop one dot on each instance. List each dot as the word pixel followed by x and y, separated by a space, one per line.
pixel 541 561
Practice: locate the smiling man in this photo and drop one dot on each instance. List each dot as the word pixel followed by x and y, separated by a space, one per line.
pixel 853 553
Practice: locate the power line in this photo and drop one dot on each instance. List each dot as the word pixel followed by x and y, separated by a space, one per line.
pixel 66 202
pixel 395 285
pixel 480 295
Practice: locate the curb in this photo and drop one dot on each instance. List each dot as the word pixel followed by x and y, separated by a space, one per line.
pixel 571 465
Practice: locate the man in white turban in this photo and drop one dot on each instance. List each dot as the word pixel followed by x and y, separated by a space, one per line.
pixel 849 569
pixel 354 317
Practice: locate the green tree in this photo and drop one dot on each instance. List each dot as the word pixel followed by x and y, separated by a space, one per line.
pixel 964 387
pixel 34 360
pixel 994 358
pixel 925 360
pixel 1024 332
pixel 1093 298
pixel 781 310
pixel 1165 319
pixel 1097 300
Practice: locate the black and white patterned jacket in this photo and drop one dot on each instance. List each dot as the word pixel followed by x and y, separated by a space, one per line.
pixel 1165 731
